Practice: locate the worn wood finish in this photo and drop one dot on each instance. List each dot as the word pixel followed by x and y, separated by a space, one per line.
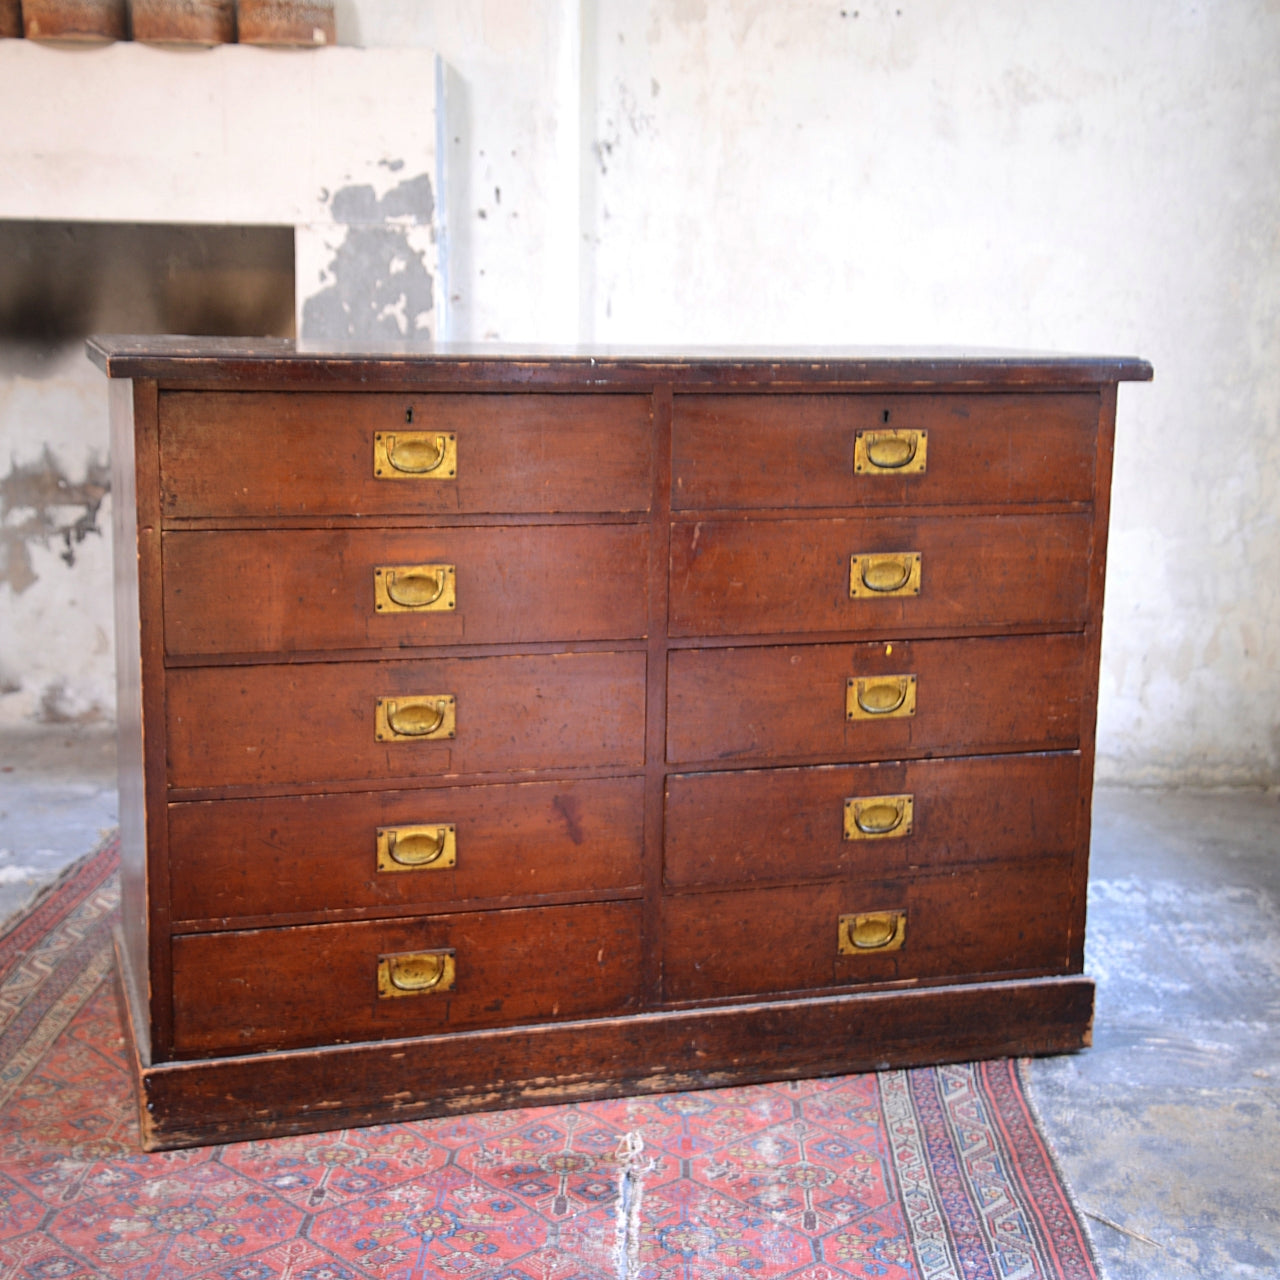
pixel 766 577
pixel 225 1099
pixel 283 725
pixel 317 984
pixel 272 592
pixel 298 856
pixel 202 22
pixel 241 363
pixel 756 826
pixel 649 654
pixel 787 702
pixel 798 451
pixel 10 19
pixel 87 21
pixel 970 921
pixel 310 454
pixel 308 23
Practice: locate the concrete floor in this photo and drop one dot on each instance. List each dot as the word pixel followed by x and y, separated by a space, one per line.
pixel 1168 1129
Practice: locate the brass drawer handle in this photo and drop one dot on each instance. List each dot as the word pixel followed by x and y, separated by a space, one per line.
pixel 417 848
pixel 427 716
pixel 871 931
pixel 431 588
pixel 887 573
pixel 880 697
pixel 410 455
pixel 878 817
pixel 877 452
pixel 415 973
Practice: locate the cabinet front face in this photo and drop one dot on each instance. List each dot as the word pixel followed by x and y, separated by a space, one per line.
pixel 875 701
pixel 294 591
pixel 966 924
pixel 762 826
pixel 297 725
pixel 281 988
pixel 868 450
pixel 339 454
pixel 883 577
pixel 521 700
pixel 425 850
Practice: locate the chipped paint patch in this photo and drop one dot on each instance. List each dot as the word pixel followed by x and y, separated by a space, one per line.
pixel 378 270
pixel 39 504
pixel 631 1170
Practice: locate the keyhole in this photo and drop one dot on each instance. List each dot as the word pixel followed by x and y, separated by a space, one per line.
pixel 408 414
pixel 885 416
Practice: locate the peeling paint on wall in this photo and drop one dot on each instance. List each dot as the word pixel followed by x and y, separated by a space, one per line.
pixel 378 281
pixel 38 503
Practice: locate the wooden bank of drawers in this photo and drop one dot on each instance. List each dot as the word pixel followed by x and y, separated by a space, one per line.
pixel 295 527
pixel 586 711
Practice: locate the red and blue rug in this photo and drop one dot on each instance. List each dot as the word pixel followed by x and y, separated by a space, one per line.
pixel 936 1174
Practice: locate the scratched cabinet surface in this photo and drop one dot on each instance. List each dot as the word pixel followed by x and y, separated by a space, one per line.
pixel 505 728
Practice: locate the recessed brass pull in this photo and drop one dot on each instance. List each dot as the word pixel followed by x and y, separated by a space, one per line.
pixel 415 455
pixel 417 848
pixel 878 817
pixel 890 452
pixel 880 697
pixel 415 973
pixel 885 573
pixel 425 716
pixel 421 588
pixel 871 931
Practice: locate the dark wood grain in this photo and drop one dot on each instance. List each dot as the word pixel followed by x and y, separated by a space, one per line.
pixel 971 921
pixel 317 984
pixel 754 826
pixel 766 577
pixel 650 653
pixel 91 21
pixel 288 724
pixel 798 451
pixel 276 362
pixel 10 19
pixel 201 22
pixel 260 1095
pixel 784 703
pixel 287 591
pixel 245 454
pixel 306 23
pixel 316 854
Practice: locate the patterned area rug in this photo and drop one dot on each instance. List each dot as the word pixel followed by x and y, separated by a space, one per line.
pixel 935 1174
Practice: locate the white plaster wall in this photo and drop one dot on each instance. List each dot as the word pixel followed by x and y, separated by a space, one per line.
pixel 1102 176
pixel 337 144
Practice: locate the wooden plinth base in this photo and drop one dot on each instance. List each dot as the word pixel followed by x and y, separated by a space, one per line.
pixel 185 1104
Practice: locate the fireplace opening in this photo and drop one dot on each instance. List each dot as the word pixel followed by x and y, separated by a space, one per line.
pixel 60 282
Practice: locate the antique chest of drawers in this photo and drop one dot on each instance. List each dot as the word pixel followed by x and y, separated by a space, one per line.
pixel 505 729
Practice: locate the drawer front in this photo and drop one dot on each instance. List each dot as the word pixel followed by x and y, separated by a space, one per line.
pixel 293 454
pixel 288 724
pixel 313 854
pixel 319 984
pixel 765 577
pixel 982 920
pixel 296 590
pixel 799 451
pixel 1012 693
pixel 761 825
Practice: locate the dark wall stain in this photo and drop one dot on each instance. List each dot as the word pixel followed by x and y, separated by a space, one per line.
pixel 380 282
pixel 39 504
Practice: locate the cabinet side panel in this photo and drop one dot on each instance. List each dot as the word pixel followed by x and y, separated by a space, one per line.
pixel 133 821
pixel 140 682
pixel 1093 657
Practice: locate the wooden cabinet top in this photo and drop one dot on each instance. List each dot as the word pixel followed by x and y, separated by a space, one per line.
pixel 225 362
